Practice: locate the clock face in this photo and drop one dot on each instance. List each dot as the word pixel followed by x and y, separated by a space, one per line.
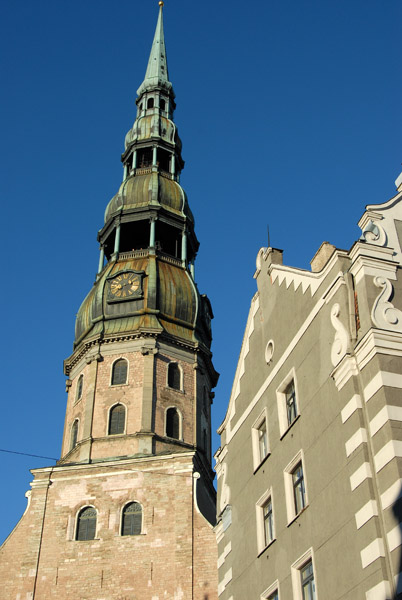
pixel 125 286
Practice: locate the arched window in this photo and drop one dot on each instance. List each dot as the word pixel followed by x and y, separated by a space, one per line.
pixel 119 372
pixel 150 103
pixel 86 524
pixel 80 384
pixel 117 419
pixel 173 423
pixel 174 376
pixel 162 104
pixel 131 523
pixel 74 434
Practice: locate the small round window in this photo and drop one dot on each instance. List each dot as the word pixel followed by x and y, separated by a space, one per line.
pixel 269 351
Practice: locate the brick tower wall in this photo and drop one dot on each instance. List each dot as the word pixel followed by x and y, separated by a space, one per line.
pixel 175 552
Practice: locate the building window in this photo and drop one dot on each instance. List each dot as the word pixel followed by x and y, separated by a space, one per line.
pixel 80 384
pixel 150 103
pixel 295 487
pixel 174 376
pixel 291 407
pixel 262 440
pixel 117 419
pixel 74 434
pixel 265 522
pixel 162 104
pixel 173 423
pixel 288 411
pixel 299 492
pixel 268 522
pixel 86 524
pixel 271 593
pixel 259 438
pixel 303 581
pixel 119 372
pixel 131 523
pixel 307 581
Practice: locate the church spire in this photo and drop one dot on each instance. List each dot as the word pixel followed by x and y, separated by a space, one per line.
pixel 157 75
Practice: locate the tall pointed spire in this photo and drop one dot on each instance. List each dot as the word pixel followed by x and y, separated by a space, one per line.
pixel 157 70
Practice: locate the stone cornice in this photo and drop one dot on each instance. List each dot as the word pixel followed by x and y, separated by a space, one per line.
pixel 377 341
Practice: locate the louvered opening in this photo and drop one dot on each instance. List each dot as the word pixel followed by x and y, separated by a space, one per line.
pixel 86 526
pixel 117 419
pixel 119 373
pixel 132 519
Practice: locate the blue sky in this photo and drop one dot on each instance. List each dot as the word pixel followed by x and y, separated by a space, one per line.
pixel 290 116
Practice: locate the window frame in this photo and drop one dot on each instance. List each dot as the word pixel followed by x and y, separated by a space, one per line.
pixel 258 459
pixel 291 503
pixel 174 362
pixel 131 535
pixel 109 419
pixel 178 411
pixel 282 402
pixel 111 384
pixel 263 541
pixel 296 574
pixel 270 591
pixel 76 530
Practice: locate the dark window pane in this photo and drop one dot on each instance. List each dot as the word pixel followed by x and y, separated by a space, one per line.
pixel 132 519
pixel 172 423
pixel 86 526
pixel 174 376
pixel 150 103
pixel 119 373
pixel 268 522
pixel 291 406
pixel 79 387
pixel 74 434
pixel 307 581
pixel 298 488
pixel 117 419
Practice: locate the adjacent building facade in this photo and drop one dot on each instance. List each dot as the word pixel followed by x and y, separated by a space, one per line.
pixel 309 468
pixel 128 511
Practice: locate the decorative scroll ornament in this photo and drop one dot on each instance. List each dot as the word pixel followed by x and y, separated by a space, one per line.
pixel 341 340
pixel 225 491
pixel 383 314
pixel 374 233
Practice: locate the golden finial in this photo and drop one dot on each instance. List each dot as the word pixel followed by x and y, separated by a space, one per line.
pixel 161 3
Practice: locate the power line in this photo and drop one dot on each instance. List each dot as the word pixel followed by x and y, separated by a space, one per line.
pixel 109 466
pixel 27 454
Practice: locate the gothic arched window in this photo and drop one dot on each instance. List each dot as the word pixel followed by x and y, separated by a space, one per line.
pixel 131 523
pixel 117 419
pixel 86 524
pixel 174 376
pixel 80 384
pixel 74 434
pixel 173 423
pixel 119 372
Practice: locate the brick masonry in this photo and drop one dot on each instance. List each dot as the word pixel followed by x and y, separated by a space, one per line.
pixel 175 555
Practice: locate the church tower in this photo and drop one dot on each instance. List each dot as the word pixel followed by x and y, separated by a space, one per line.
pixel 127 512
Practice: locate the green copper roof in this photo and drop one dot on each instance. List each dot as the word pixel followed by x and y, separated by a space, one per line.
pixel 157 71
